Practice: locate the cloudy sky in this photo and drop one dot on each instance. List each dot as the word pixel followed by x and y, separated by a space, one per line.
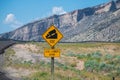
pixel 15 13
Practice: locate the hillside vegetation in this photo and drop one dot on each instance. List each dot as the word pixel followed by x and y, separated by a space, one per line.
pixel 78 61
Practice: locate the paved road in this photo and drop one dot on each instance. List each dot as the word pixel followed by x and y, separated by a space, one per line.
pixel 3 76
pixel 3 45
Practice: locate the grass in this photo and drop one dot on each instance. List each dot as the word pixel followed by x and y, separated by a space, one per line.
pixel 9 53
pixel 101 62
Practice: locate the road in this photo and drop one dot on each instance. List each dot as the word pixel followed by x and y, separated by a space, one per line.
pixel 4 44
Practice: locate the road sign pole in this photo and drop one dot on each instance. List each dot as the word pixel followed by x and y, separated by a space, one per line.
pixel 52 66
pixel 52 35
pixel 113 78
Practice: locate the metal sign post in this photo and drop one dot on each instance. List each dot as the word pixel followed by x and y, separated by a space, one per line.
pixel 113 78
pixel 52 66
pixel 52 36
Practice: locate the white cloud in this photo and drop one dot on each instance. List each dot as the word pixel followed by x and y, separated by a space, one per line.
pixel 55 10
pixel 58 10
pixel 12 21
pixel 9 18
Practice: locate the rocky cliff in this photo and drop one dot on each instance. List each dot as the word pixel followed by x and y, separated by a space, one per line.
pixel 97 23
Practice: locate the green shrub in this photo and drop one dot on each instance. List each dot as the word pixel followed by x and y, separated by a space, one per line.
pixel 81 56
pixel 108 57
pixel 9 52
pixel 118 59
pixel 40 76
pixel 28 62
pixel 102 66
pixel 42 63
pixel 70 54
pixel 91 65
pixel 96 54
pixel 73 64
pixel 106 67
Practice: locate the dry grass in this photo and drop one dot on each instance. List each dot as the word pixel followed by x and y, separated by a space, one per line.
pixel 70 66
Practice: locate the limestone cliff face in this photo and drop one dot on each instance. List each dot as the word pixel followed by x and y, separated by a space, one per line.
pixel 98 23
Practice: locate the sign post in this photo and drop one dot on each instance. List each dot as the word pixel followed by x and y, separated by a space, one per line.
pixel 52 36
pixel 52 67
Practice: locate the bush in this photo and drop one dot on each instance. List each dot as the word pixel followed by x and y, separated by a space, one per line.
pixel 108 56
pixel 91 65
pixel 73 64
pixel 28 62
pixel 71 54
pixel 40 76
pixel 42 63
pixel 96 54
pixel 9 52
pixel 118 71
pixel 81 56
pixel 102 66
pixel 118 59
pixel 106 67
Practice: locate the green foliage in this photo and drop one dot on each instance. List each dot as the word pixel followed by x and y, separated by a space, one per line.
pixel 71 54
pixel 96 63
pixel 94 66
pixel 93 56
pixel 40 76
pixel 91 65
pixel 73 64
pixel 9 52
pixel 108 57
pixel 96 54
pixel 81 56
pixel 63 66
pixel 102 66
pixel 106 67
pixel 27 63
pixel 118 58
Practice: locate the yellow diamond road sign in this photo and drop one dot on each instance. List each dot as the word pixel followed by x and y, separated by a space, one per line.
pixel 52 35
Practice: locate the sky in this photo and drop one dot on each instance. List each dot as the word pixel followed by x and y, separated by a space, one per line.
pixel 15 13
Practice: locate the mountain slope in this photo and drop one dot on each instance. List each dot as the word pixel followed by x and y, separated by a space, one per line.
pixel 98 23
